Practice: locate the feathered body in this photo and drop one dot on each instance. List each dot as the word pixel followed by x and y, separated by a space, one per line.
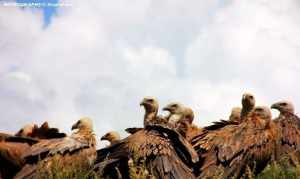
pixel 157 150
pixel 78 148
pixel 288 138
pixel 228 151
pixel 12 147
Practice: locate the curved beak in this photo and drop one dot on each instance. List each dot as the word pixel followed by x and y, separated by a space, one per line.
pixel 75 126
pixel 274 106
pixel 166 108
pixel 142 103
pixel 104 137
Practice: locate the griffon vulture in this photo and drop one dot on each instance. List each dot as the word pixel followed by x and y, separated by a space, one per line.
pixel 151 106
pixel 78 148
pixel 12 147
pixel 288 125
pixel 228 151
pixel 248 104
pixel 181 119
pixel 155 151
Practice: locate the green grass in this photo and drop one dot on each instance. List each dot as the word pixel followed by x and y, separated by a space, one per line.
pixel 138 170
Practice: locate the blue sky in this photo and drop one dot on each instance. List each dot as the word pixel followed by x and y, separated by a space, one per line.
pixel 48 12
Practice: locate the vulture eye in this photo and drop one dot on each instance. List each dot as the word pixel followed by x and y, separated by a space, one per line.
pixel 284 104
pixel 174 105
pixel 150 100
pixel 259 109
pixel 251 97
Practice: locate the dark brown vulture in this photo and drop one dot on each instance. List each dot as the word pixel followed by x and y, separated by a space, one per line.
pixel 248 104
pixel 79 148
pixel 151 106
pixel 229 151
pixel 288 124
pixel 156 151
pixel 113 137
pixel 12 147
pixel 11 150
pixel 42 132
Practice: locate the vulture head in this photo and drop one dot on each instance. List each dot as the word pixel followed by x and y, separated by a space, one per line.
pixel 235 114
pixel 150 104
pixel 189 115
pixel 175 108
pixel 284 107
pixel 83 124
pixel 27 130
pixel 263 112
pixel 248 101
pixel 111 137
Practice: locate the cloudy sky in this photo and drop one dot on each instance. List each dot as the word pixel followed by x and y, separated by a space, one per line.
pixel 100 58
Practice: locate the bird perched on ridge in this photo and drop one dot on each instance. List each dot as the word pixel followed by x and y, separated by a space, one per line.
pixel 79 148
pixel 228 151
pixel 288 125
pixel 12 147
pixel 155 151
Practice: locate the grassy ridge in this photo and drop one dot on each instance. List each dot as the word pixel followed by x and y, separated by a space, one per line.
pixel 76 171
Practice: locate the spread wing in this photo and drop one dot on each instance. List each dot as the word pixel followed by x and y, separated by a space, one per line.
pixel 51 147
pixel 163 151
pixel 234 147
pixel 133 130
pixel 220 124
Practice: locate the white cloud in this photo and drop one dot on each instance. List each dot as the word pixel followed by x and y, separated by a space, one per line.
pixel 100 58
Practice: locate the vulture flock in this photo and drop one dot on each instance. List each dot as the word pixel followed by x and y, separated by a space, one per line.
pixel 167 147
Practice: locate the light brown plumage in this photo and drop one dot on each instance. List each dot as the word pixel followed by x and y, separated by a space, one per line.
pixel 235 114
pixel 176 113
pixel 288 138
pixel 151 106
pixel 157 150
pixel 248 104
pixel 228 151
pixel 62 152
pixel 113 137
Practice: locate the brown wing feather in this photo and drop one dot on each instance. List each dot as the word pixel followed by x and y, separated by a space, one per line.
pixel 10 157
pixel 233 147
pixel 157 148
pixel 288 139
pixel 51 147
pixel 46 132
